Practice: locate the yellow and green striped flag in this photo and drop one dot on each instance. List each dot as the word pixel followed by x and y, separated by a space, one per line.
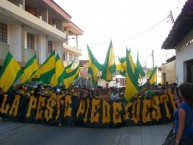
pixel 153 77
pixel 71 76
pixel 132 87
pixel 46 70
pixel 9 73
pixel 121 66
pixel 30 68
pixel 109 66
pixel 93 67
pixel 59 75
pixel 69 67
pixel 139 72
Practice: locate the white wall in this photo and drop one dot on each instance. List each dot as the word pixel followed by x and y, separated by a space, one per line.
pixel 16 41
pixel 42 49
pixel 58 50
pixel 159 77
pixel 31 20
pixel 184 53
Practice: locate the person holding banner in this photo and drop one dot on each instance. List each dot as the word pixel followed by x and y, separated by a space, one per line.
pixel 1 98
pixel 184 115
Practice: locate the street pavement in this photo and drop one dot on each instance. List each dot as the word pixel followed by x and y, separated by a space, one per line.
pixel 145 135
pixel 15 133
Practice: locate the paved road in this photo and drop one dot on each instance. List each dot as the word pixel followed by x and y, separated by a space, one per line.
pixel 13 133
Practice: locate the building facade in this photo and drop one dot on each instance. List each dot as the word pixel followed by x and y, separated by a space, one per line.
pixel 180 38
pixel 168 71
pixel 29 27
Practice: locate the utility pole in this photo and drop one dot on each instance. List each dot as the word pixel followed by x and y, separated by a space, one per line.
pixel 171 17
pixel 152 54
pixel 172 21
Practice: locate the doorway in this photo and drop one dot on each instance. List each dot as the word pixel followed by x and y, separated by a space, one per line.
pixel 189 65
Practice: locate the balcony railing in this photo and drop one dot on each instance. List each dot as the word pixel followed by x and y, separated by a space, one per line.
pixel 71 49
pixel 29 54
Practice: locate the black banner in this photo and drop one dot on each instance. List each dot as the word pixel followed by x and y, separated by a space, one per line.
pixel 67 109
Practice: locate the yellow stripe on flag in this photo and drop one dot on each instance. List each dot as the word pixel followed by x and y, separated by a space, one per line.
pixel 10 73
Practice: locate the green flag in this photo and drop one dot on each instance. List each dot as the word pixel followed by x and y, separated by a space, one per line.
pixel 153 77
pixel 46 70
pixel 9 73
pixel 59 75
pixel 69 67
pixel 71 76
pixel 139 68
pixel 93 67
pixel 30 68
pixel 132 87
pixel 121 66
pixel 109 66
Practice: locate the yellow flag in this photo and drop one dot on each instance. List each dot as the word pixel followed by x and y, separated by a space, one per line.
pixel 46 71
pixel 9 73
pixel 132 87
pixel 109 66
pixel 30 68
pixel 153 77
pixel 93 67
pixel 59 75
pixel 71 76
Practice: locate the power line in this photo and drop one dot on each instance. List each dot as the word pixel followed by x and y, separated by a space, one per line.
pixel 146 30
pixel 142 32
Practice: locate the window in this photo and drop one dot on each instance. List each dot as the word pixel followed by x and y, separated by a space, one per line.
pixel 3 33
pixel 64 56
pixel 50 47
pixel 30 41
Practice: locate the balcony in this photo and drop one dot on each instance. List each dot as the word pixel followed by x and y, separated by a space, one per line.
pixel 29 54
pixel 71 49
pixel 4 49
pixel 27 19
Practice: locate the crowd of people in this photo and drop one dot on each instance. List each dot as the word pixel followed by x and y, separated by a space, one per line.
pixel 183 94
pixel 109 94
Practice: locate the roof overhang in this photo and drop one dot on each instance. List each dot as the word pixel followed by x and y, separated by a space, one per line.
pixel 182 26
pixel 55 11
pixel 74 30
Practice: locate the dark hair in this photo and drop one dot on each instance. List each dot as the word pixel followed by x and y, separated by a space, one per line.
pixel 177 93
pixel 186 90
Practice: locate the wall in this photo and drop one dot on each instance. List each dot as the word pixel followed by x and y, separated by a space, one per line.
pixel 43 51
pixel 170 72
pixel 183 53
pixel 58 50
pixel 16 41
pixel 32 21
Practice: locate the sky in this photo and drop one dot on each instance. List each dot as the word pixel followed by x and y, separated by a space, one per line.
pixel 139 25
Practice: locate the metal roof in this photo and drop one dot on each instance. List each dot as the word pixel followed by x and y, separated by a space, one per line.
pixel 182 26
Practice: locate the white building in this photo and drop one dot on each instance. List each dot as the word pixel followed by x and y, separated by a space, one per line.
pixel 180 38
pixel 29 27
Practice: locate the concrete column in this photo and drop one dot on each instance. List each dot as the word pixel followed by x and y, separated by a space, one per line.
pixel 59 24
pixel 67 57
pixel 22 43
pixel 67 32
pixel 58 50
pixel 42 49
pixel 76 41
pixel 45 15
pixel 16 39
pixel 19 3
